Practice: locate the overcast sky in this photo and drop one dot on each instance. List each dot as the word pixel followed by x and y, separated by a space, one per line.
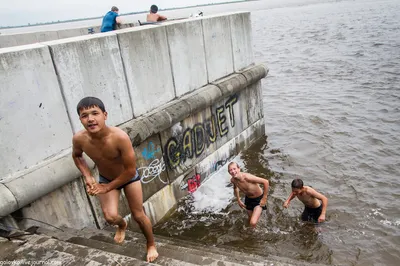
pixel 19 12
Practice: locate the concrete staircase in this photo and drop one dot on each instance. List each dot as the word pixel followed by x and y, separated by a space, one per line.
pixel 94 247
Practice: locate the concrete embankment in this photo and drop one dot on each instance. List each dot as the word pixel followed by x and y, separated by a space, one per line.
pixel 187 93
pixel 17 39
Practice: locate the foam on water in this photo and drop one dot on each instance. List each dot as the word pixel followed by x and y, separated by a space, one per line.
pixel 215 194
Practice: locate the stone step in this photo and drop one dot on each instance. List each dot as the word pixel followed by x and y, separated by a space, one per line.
pixel 138 251
pixel 27 253
pixel 177 244
pixel 220 252
pixel 172 251
pixel 43 248
pixel 177 249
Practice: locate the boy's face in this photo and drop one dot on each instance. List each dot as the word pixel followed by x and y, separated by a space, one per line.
pixel 233 170
pixel 93 119
pixel 296 191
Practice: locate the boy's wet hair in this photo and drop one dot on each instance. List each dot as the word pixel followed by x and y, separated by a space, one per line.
pixel 237 165
pixel 89 102
pixel 297 183
pixel 154 9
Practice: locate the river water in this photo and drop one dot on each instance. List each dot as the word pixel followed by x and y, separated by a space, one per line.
pixel 332 112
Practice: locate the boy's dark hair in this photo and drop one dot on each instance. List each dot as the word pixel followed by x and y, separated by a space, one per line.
pixel 154 9
pixel 297 183
pixel 114 8
pixel 89 102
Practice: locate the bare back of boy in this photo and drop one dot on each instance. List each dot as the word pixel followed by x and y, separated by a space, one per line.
pixel 249 188
pixel 154 17
pixel 308 199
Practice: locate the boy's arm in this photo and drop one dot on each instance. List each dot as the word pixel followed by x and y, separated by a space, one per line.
pixel 80 162
pixel 286 203
pixel 129 162
pixel 262 181
pixel 236 193
pixel 161 18
pixel 312 192
pixel 118 20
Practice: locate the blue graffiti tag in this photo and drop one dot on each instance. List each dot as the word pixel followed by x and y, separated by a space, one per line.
pixel 149 151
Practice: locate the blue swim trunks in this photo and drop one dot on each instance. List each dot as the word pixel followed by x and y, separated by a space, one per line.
pixel 103 180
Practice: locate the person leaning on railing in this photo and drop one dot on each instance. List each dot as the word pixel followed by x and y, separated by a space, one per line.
pixel 111 20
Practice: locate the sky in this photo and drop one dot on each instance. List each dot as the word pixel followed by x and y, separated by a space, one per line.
pixel 22 12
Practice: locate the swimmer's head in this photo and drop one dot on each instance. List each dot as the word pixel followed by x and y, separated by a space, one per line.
pixel 92 114
pixel 154 9
pixel 297 186
pixel 89 102
pixel 115 9
pixel 233 169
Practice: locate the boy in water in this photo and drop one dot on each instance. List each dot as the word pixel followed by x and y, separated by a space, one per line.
pixel 153 16
pixel 256 198
pixel 111 150
pixel 314 210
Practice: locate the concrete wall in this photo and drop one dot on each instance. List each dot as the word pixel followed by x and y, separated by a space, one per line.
pixel 10 40
pixel 92 65
pixel 168 162
pixel 145 55
pixel 171 87
pixel 188 60
pixel 32 110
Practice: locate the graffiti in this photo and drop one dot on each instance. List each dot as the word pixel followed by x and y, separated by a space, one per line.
pixel 149 151
pixel 219 164
pixel 195 140
pixel 229 105
pixel 191 184
pixel 152 171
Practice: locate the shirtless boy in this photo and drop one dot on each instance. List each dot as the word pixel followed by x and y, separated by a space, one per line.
pixel 153 16
pixel 256 198
pixel 314 202
pixel 111 150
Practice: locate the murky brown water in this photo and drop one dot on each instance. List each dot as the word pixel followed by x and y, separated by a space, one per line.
pixel 332 110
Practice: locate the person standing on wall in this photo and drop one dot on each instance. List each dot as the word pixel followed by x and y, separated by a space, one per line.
pixel 153 16
pixel 111 20
pixel 111 150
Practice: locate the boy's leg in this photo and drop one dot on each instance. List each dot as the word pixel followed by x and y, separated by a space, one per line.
pixel 109 205
pixel 249 214
pixel 305 217
pixel 134 196
pixel 255 216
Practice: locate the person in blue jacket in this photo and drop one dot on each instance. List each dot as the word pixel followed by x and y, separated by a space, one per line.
pixel 111 20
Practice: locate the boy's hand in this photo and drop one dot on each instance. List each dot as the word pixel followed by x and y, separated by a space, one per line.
pixel 285 204
pixel 90 182
pixel 263 202
pixel 321 218
pixel 241 204
pixel 100 189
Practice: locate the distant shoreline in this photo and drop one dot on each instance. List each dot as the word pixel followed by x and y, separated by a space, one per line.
pixel 124 14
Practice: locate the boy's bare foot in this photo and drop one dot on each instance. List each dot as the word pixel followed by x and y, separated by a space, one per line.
pixel 120 234
pixel 152 254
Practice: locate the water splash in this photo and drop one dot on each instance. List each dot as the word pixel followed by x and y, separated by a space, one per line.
pixel 214 195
